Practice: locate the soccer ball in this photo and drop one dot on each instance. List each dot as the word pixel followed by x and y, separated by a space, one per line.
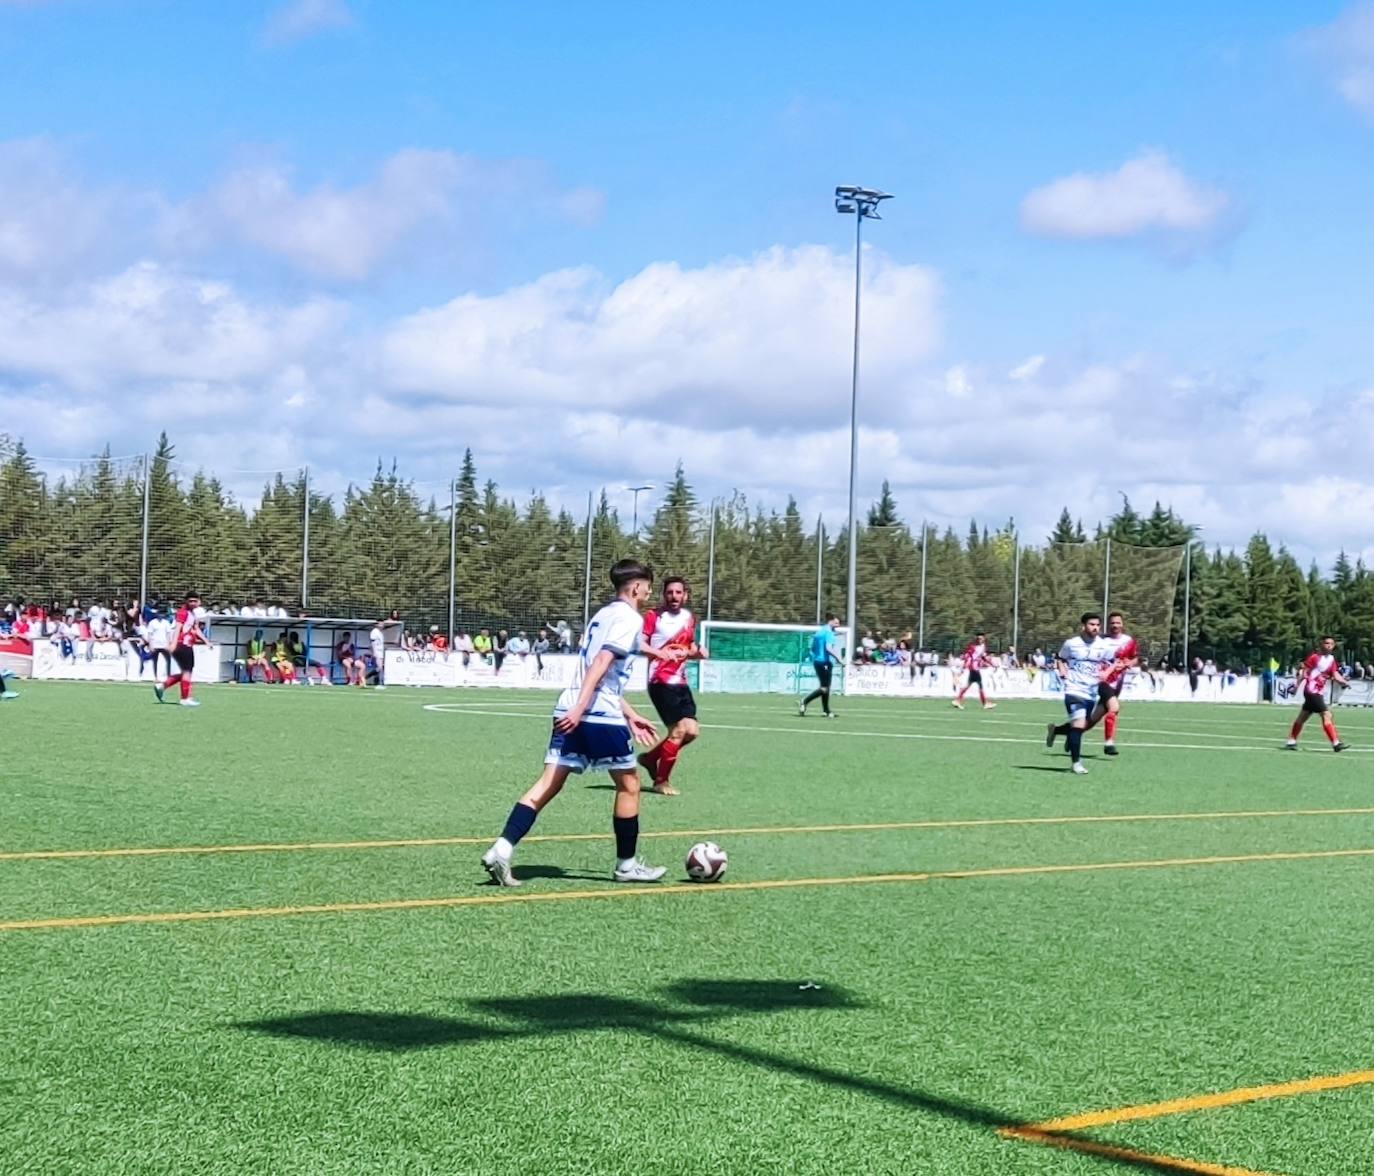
pixel 706 862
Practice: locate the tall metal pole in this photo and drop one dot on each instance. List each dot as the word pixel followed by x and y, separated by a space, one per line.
pixel 1106 579
pixel 851 592
pixel 1187 597
pixel 921 624
pixel 452 553
pixel 587 576
pixel 143 560
pixel 305 540
pixel 711 564
pixel 820 571
pixel 1016 595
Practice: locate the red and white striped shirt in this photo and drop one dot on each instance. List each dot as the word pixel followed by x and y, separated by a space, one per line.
pixel 1317 671
pixel 663 628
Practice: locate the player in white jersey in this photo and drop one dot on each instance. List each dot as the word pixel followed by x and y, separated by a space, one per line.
pixel 594 727
pixel 1119 656
pixel 1080 663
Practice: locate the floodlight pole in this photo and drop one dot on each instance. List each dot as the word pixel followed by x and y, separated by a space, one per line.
pixel 820 570
pixel 587 575
pixel 1016 594
pixel 1106 579
pixel 921 614
pixel 1187 596
pixel 143 563
pixel 863 204
pixel 452 553
pixel 711 564
pixel 305 538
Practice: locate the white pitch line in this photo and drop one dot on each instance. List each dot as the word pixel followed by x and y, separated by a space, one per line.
pixel 461 708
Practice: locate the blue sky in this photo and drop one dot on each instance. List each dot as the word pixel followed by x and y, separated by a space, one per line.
pixel 1129 252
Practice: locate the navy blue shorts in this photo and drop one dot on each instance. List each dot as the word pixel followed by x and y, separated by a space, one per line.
pixel 1078 706
pixel 602 747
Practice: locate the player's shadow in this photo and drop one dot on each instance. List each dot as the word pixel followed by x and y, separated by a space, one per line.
pixel 1042 768
pixel 683 1009
pixel 524 873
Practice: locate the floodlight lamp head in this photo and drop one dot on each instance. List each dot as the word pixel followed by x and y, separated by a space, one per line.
pixel 845 206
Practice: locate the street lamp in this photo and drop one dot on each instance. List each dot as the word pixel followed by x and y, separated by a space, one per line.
pixel 863 204
pixel 635 490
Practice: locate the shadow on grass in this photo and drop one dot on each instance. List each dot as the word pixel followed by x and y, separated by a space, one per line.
pixel 684 1008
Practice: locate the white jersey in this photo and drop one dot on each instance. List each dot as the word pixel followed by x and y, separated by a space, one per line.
pixel 616 629
pixel 158 633
pixel 1085 661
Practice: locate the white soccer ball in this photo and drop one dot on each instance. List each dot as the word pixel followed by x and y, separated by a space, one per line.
pixel 706 862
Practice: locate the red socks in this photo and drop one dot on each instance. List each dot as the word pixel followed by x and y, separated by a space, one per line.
pixel 1109 727
pixel 1330 728
pixel 1295 731
pixel 666 758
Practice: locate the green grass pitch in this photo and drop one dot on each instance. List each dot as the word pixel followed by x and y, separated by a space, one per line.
pixel 620 1030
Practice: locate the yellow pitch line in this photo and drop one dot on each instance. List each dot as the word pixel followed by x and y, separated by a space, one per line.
pixel 649 891
pixel 1130 1155
pixel 1203 1102
pixel 755 830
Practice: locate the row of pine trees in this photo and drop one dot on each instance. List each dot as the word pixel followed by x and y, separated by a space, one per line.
pixel 383 547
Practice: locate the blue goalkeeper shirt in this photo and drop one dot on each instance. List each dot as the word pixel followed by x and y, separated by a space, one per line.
pixel 823 646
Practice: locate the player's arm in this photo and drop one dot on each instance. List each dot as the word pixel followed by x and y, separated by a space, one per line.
pixel 601 663
pixel 643 729
pixel 672 653
pixel 1337 676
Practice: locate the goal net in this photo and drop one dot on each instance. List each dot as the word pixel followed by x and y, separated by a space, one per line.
pixel 748 658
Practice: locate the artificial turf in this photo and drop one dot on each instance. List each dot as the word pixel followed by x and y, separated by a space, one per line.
pixel 628 1031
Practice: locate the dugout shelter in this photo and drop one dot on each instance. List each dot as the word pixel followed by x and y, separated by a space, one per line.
pixel 320 636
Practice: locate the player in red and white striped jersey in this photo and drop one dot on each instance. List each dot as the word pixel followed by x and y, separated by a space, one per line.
pixel 1125 658
pixel 186 635
pixel 976 659
pixel 1319 670
pixel 669 643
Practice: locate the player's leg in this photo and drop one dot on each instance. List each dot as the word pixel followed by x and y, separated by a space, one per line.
pixel 959 694
pixel 1298 724
pixel 658 695
pixel 1109 725
pixel 1329 726
pixel 625 822
pixel 1079 710
pixel 683 731
pixel 822 673
pixel 185 658
pixel 496 861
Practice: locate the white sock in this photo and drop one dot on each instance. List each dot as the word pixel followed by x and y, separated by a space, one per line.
pixel 504 849
pixel 624 863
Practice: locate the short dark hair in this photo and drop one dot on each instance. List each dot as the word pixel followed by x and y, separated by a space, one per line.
pixel 1089 616
pixel 626 571
pixel 1112 614
pixel 831 617
pixel 676 580
pixel 1328 637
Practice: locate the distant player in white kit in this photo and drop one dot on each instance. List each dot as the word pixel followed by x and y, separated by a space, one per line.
pixel 1080 663
pixel 594 727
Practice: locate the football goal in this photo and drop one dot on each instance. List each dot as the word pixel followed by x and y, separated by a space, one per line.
pixel 747 658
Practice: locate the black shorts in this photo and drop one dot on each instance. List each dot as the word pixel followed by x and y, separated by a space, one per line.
pixel 1315 704
pixel 823 672
pixel 975 677
pixel 672 702
pixel 1106 690
pixel 185 658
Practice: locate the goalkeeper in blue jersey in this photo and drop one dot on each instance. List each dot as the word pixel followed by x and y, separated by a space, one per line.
pixel 825 656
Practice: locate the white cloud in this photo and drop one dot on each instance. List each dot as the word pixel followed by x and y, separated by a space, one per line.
pixel 1346 46
pixel 739 368
pixel 53 224
pixel 768 339
pixel 1148 196
pixel 56 226
pixel 300 19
